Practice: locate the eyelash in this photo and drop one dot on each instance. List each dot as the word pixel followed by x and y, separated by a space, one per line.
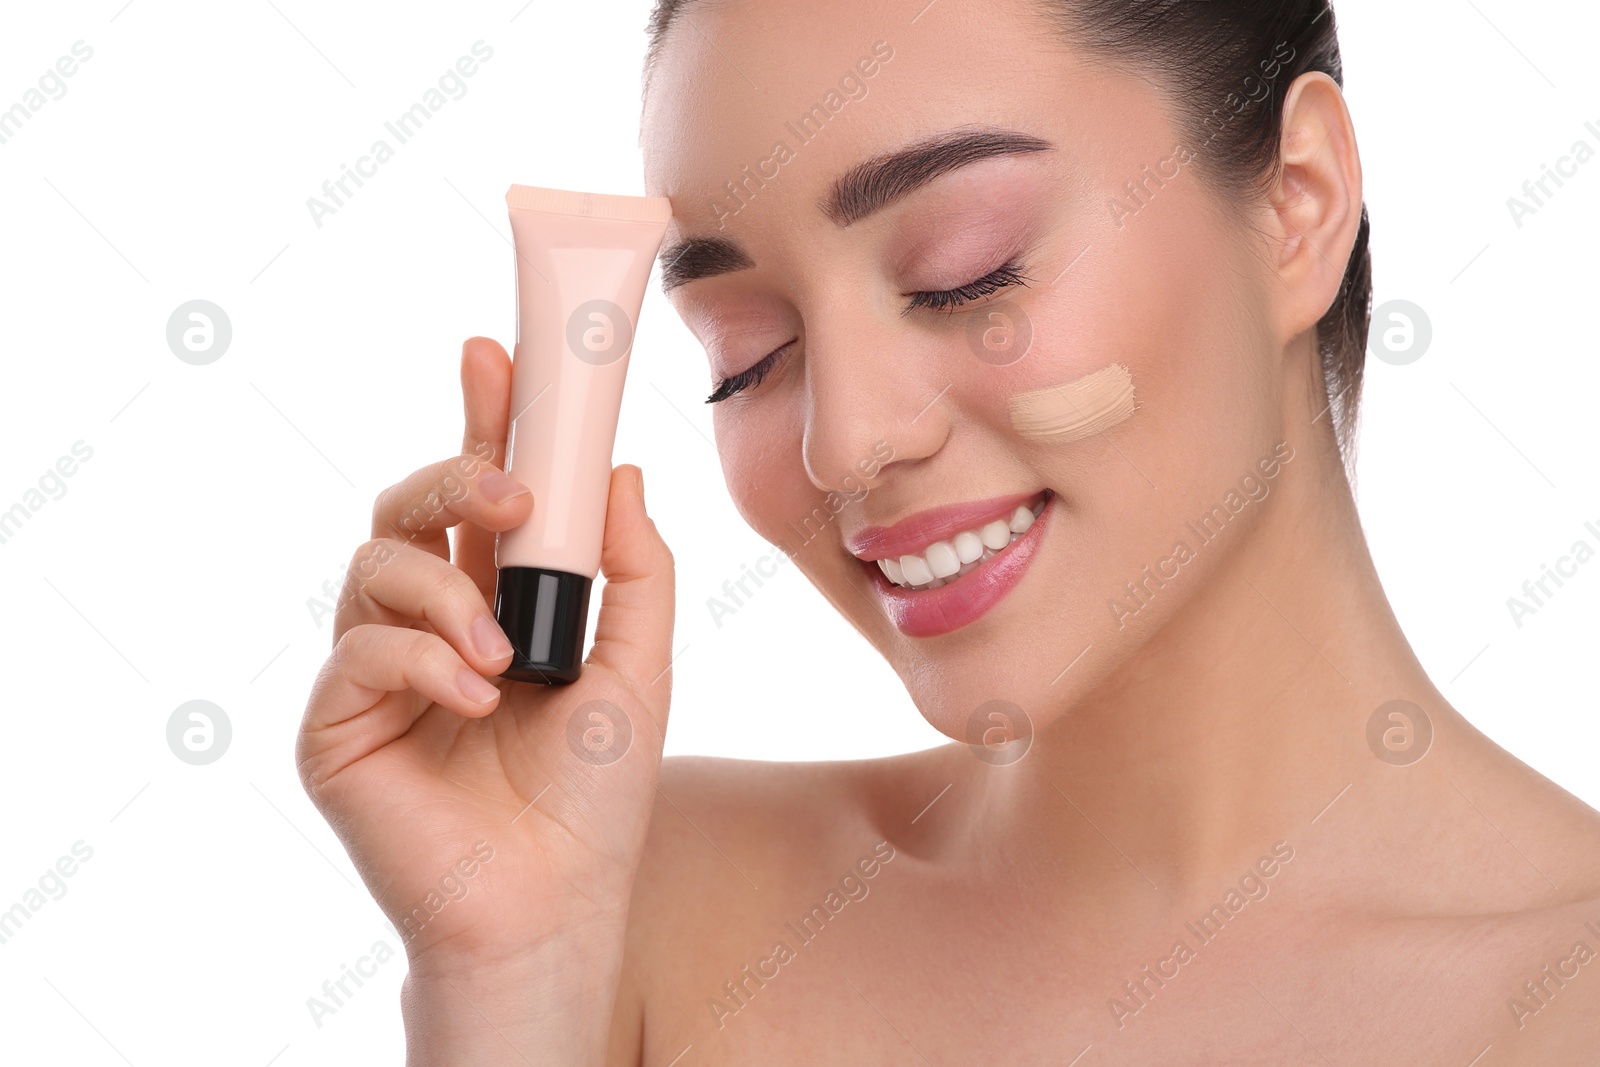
pixel 946 300
pixel 1003 277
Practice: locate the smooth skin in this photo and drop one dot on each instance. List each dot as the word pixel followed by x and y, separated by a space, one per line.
pixel 1182 754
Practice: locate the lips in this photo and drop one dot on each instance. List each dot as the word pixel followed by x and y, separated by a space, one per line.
pixel 917 532
pixel 967 597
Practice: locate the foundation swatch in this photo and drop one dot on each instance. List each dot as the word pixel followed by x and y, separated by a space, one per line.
pixel 1074 410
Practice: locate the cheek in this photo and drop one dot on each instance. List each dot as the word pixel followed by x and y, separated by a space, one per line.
pixel 1169 297
pixel 761 464
pixel 1207 374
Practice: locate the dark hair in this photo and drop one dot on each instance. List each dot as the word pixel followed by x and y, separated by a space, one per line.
pixel 1227 66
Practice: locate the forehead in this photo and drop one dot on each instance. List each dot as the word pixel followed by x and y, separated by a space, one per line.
pixel 805 91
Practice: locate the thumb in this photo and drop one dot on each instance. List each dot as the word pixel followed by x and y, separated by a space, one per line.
pixel 633 635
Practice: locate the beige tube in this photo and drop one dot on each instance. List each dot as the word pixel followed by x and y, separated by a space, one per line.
pixel 583 260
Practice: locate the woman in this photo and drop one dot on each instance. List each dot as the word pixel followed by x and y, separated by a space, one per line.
pixel 1036 334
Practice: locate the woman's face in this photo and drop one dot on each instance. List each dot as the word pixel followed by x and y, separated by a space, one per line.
pixel 885 405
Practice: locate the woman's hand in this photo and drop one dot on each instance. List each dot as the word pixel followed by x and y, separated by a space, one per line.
pixel 498 824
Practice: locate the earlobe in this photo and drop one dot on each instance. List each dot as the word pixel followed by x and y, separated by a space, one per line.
pixel 1317 198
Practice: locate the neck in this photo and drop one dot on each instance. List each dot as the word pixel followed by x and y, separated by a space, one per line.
pixel 1244 715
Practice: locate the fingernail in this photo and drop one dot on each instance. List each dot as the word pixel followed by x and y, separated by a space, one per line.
pixel 477 688
pixel 489 638
pixel 500 487
pixel 639 475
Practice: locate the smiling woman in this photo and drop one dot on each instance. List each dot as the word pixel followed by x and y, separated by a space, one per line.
pixel 1054 396
pixel 1217 317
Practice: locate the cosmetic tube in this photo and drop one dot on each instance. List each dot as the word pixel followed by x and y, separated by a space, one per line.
pixel 583 260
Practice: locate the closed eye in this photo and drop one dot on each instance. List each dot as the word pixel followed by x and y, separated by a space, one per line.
pixel 747 379
pixel 1012 273
pixel 947 300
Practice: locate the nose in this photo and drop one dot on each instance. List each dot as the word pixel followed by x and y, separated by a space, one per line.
pixel 876 394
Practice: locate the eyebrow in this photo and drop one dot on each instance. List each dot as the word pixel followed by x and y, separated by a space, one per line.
pixel 864 190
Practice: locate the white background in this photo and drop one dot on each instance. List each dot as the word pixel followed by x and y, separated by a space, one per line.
pixel 220 498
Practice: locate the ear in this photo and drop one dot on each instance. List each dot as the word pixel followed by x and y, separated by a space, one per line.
pixel 1317 200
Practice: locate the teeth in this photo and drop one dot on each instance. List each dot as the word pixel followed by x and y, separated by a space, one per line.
pixel 996 535
pixel 945 561
pixel 916 570
pixel 941 557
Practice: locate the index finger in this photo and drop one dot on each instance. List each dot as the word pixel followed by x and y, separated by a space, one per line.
pixel 486 397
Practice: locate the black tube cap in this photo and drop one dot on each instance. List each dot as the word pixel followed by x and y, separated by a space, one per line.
pixel 543 614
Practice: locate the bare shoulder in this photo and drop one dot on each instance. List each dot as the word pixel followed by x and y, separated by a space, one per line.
pixel 736 849
pixel 1546 988
pixel 1504 913
pixel 723 829
pixel 1549 970
pixel 1551 830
